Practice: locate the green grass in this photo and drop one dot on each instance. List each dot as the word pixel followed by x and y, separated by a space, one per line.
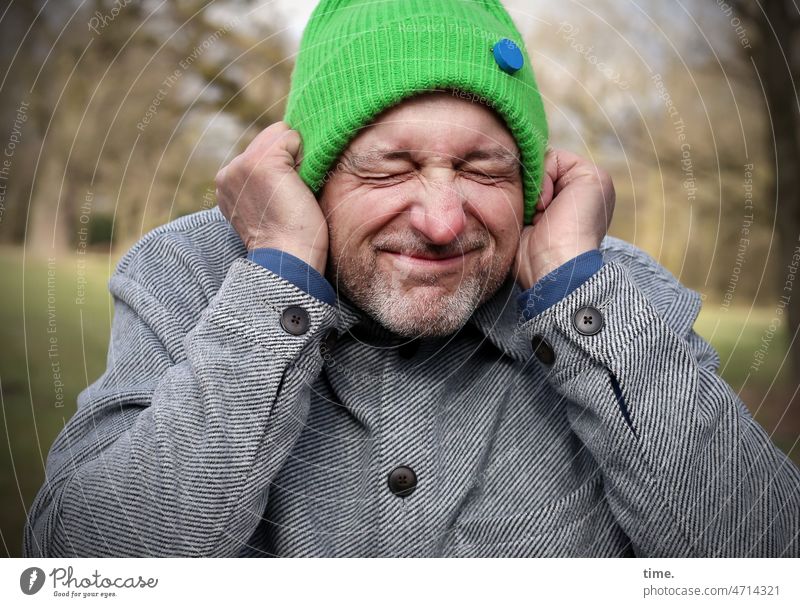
pixel 736 335
pixel 32 417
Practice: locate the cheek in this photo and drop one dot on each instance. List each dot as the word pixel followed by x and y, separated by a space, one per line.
pixel 501 211
pixel 364 211
pixel 354 216
pixel 496 204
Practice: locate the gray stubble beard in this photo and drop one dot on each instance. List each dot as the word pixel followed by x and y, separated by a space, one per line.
pixel 405 313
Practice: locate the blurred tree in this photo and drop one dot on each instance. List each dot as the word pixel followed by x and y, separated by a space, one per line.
pixel 657 96
pixel 775 55
pixel 22 49
pixel 134 108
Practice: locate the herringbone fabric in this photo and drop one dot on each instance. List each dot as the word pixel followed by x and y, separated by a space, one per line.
pixel 215 432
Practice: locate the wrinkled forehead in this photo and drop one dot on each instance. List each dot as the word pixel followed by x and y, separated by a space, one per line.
pixel 435 121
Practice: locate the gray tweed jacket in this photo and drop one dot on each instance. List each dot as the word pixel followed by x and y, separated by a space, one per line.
pixel 215 431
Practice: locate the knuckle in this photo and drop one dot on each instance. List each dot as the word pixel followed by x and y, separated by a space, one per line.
pixel 604 177
pixel 219 178
pixel 243 164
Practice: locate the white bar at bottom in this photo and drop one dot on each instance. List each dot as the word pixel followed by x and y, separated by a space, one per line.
pixel 401 582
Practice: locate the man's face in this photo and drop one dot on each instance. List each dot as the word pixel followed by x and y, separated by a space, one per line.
pixel 425 211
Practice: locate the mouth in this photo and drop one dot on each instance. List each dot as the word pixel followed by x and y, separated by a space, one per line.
pixel 428 262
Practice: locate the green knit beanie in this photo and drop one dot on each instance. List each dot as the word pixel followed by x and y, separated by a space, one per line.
pixel 360 57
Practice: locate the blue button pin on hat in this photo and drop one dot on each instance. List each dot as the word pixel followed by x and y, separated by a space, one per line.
pixel 508 56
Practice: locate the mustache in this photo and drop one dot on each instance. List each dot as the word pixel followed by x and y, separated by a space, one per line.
pixel 418 248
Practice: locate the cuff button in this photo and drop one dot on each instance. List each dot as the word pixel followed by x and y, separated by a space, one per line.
pixel 295 320
pixel 543 350
pixel 588 320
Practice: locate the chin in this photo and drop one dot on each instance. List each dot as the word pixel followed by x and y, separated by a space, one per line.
pixel 425 327
pixel 420 310
pixel 419 303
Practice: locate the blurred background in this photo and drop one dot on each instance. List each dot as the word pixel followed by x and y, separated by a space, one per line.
pixel 115 115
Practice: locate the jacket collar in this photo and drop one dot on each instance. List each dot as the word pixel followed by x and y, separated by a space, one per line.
pixel 498 319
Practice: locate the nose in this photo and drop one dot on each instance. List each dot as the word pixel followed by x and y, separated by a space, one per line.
pixel 438 212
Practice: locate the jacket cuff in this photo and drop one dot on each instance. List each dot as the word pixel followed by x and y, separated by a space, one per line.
pixel 268 309
pixel 296 271
pixel 599 321
pixel 559 283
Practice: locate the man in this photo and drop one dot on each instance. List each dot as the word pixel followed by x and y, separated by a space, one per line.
pixel 404 332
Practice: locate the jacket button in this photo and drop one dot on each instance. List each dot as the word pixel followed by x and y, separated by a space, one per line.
pixel 408 349
pixel 327 344
pixel 402 481
pixel 588 320
pixel 543 350
pixel 295 320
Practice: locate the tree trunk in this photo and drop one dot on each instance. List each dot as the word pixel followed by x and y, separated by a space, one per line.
pixel 777 63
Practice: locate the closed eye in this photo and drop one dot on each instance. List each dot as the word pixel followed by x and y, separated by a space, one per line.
pixel 485 176
pixel 384 179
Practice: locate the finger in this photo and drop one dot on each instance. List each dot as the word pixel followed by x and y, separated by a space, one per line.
pixel 560 162
pixel 265 137
pixel 219 179
pixel 293 144
pixel 264 141
pixel 284 143
pixel 551 172
pixel 546 194
pixel 570 167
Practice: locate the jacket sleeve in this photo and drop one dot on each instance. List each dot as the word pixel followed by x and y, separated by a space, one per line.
pixel 686 469
pixel 172 450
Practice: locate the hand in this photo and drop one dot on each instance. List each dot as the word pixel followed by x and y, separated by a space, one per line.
pixel 267 202
pixel 573 215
